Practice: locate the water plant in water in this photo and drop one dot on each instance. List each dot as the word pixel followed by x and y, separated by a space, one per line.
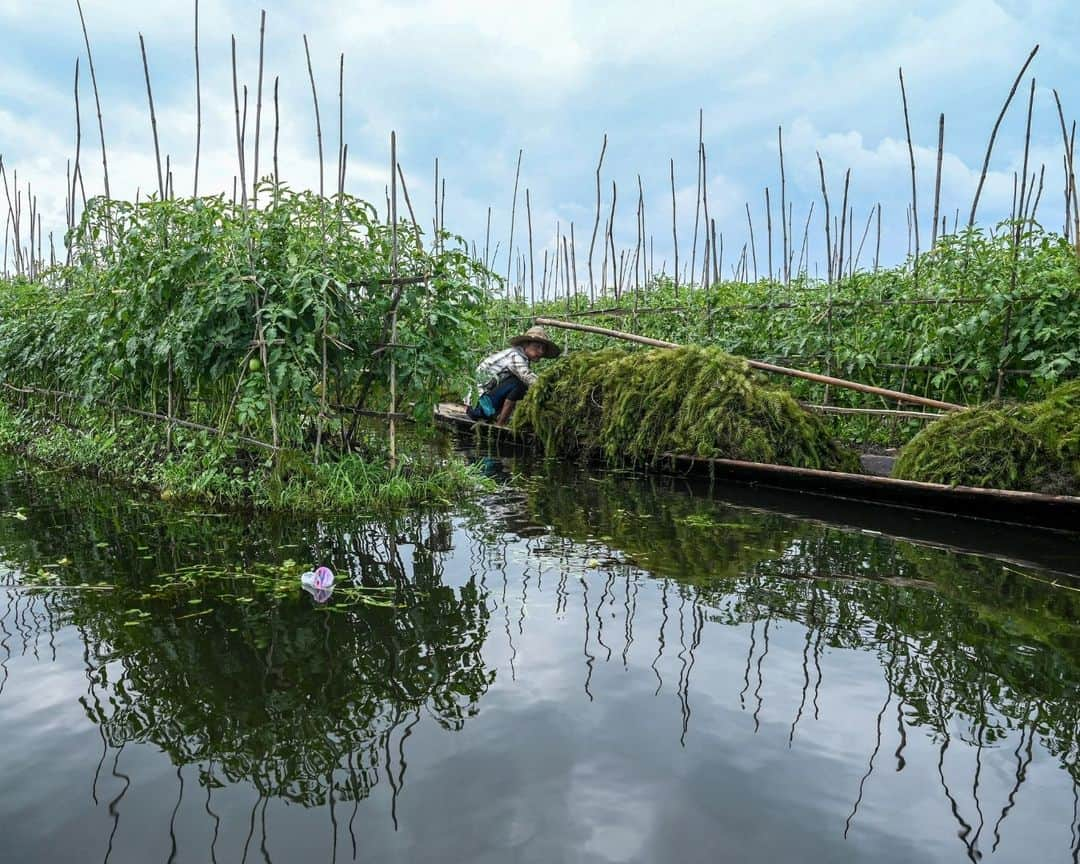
pixel 636 406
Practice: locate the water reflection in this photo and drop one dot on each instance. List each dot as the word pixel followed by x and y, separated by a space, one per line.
pixel 711 609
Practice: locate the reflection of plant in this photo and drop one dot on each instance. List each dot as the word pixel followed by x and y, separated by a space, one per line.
pixel 957 635
pixel 230 664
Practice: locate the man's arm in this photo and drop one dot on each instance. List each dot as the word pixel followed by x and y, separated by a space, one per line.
pixel 519 366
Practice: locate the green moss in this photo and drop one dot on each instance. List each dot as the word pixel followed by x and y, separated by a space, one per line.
pixel 1056 422
pixel 1033 447
pixel 635 406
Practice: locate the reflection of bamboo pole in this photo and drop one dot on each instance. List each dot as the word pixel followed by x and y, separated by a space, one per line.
pixel 765 367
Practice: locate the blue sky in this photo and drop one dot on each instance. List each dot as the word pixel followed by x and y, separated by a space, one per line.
pixel 473 82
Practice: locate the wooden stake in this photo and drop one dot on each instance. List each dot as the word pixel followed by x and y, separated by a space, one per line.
pixel 914 195
pixel 318 121
pixel 843 228
pixel 993 135
pixel 828 235
pixel 937 179
pixel 258 111
pixel 239 133
pixel 198 107
pixel 513 212
pixel 277 125
pixel 768 230
pixel 596 224
pixel 153 121
pixel 674 229
pixel 783 206
pixel 753 245
pixel 697 205
pixel 532 276
pixel 97 100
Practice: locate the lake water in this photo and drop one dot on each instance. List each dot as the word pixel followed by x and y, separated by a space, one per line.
pixel 584 667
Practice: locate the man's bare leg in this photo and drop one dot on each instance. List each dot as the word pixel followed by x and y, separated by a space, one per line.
pixel 505 412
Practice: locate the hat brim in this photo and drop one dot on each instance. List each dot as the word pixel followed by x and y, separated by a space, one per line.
pixel 551 350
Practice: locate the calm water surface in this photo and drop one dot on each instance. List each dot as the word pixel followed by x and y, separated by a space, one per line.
pixel 592 667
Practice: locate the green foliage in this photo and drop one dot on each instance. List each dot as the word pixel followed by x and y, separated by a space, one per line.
pixel 177 303
pixel 945 334
pixel 205 468
pixel 1033 447
pixel 635 406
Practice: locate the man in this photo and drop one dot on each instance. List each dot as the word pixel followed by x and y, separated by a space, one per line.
pixel 504 377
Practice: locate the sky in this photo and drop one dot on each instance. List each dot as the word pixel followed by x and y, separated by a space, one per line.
pixel 474 83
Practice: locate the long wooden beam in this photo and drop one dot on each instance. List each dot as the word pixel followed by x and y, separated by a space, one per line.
pixel 764 367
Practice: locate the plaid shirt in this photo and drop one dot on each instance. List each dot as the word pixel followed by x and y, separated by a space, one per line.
pixel 496 368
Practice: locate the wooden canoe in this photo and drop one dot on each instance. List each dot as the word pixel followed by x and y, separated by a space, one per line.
pixel 1032 509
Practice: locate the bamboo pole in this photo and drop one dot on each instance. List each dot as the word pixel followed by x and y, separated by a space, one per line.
pixel 615 275
pixel 937 180
pixel 914 195
pixel 78 149
pixel 513 212
pixel 532 272
pixel 843 228
pixel 764 367
pixel 753 245
pixel 258 111
pixel 153 118
pixel 1071 210
pixel 393 319
pixel 408 204
pixel 877 248
pixel 198 106
pixel 993 135
pixel 828 235
pixel 783 205
pixel 674 228
pixel 697 200
pixel 596 224
pixel 97 99
pixel 318 121
pixel 573 258
pixel 239 133
pixel 277 127
pixel 768 230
